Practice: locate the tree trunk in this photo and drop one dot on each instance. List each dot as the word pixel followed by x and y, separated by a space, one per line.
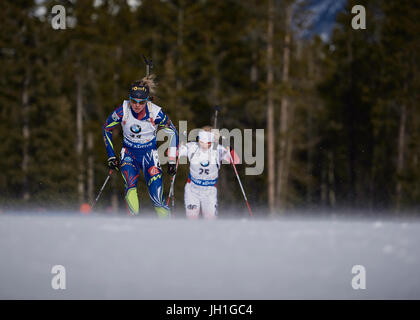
pixel 114 194
pixel 331 179
pixel 351 142
pixel 270 109
pixel 180 43
pixel 91 168
pixel 400 161
pixel 287 161
pixel 79 141
pixel 224 182
pixel 324 184
pixel 310 132
pixel 284 138
pixel 254 70
pixel 26 135
pixel 309 157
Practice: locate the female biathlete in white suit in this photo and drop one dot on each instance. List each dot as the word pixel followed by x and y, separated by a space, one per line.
pixel 205 159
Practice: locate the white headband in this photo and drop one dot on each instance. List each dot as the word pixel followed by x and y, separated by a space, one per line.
pixel 205 136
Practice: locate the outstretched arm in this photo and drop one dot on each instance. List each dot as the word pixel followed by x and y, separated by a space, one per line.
pixel 183 150
pixel 111 122
pixel 228 156
pixel 166 124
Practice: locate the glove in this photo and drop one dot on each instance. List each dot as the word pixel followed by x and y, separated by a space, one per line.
pixel 114 163
pixel 171 169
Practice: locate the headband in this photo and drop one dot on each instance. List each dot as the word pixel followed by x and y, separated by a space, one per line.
pixel 205 136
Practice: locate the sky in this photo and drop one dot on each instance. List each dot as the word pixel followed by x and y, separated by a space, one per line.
pixel 323 17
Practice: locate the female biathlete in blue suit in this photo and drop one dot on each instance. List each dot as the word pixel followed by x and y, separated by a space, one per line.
pixel 140 119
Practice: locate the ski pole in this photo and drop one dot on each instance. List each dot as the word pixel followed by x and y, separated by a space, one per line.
pixel 171 189
pixel 149 65
pixel 103 186
pixel 240 184
pixel 216 111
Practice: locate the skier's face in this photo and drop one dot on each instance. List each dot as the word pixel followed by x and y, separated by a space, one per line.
pixel 205 145
pixel 137 106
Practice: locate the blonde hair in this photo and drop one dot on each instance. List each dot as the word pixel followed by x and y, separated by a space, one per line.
pixel 149 82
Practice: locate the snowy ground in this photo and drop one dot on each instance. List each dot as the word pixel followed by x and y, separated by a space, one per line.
pixel 145 258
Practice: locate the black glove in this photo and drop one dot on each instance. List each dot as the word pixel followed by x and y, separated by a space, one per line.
pixel 114 163
pixel 171 169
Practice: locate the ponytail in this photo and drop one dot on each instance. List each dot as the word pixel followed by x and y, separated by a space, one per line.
pixel 149 82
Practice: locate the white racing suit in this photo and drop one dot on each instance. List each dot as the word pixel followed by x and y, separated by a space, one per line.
pixel 200 189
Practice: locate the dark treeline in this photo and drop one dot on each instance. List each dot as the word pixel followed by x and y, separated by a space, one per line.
pixel 341 117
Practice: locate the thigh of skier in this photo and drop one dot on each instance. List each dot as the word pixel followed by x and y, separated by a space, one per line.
pixel 197 197
pixel 208 201
pixel 192 201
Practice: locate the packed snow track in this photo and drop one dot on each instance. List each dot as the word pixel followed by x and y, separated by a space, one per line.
pixel 113 257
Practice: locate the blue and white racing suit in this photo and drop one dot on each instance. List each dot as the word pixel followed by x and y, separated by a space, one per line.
pixel 139 151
